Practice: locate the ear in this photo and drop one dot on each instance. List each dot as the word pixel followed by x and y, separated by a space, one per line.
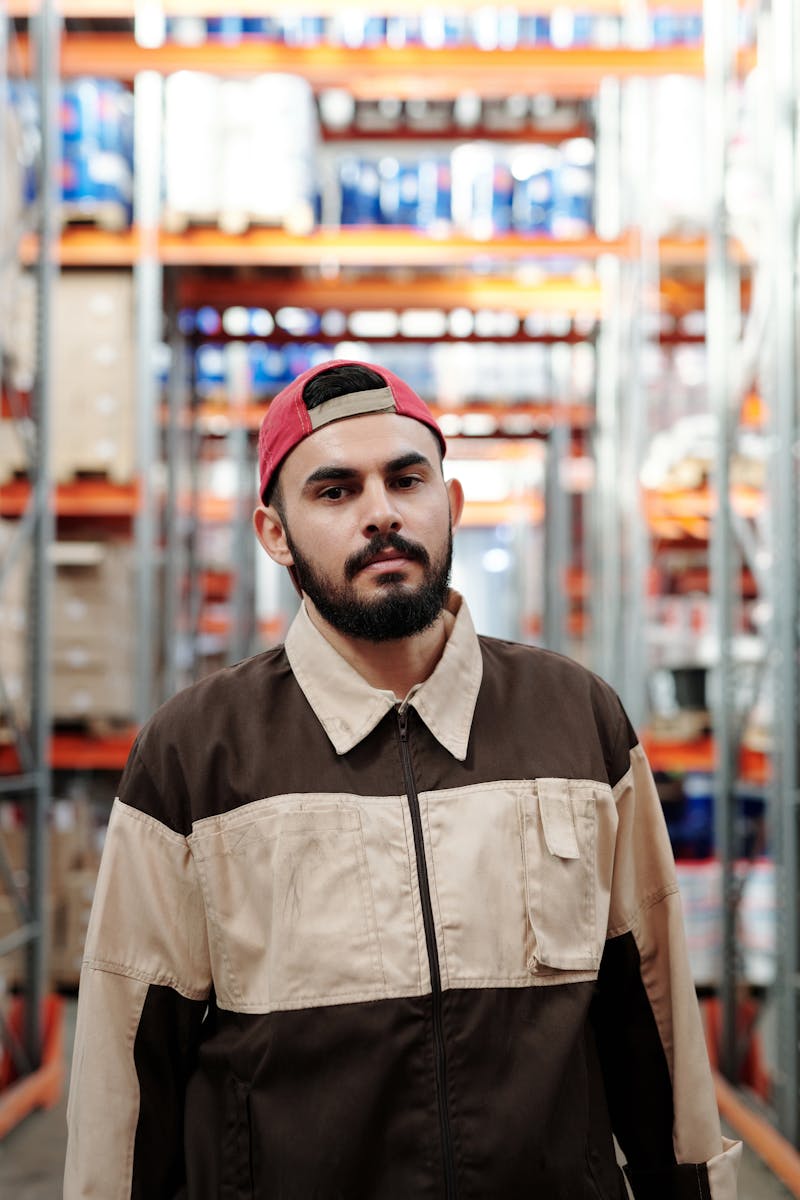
pixel 270 532
pixel 455 494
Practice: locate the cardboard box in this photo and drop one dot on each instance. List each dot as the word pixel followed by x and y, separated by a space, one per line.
pixel 78 695
pixel 94 376
pixel 93 644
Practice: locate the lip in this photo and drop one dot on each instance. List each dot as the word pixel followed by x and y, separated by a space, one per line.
pixel 393 562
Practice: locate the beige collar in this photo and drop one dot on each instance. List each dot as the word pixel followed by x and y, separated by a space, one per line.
pixel 348 708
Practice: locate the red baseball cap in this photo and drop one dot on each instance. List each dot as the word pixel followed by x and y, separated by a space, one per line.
pixel 288 421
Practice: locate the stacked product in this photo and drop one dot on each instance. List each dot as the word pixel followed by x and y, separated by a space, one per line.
pixel 480 189
pixel 93 414
pixel 97 152
pixel 93 376
pixel 93 411
pixel 239 152
pixel 73 849
pixel 96 119
pixel 489 28
pixel 451 373
pixel 93 632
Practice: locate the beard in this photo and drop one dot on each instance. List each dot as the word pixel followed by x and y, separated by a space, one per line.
pixel 398 610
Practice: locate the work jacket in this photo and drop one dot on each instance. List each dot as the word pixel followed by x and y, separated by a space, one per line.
pixel 348 949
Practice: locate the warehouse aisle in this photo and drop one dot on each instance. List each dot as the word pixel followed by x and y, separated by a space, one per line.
pixel 31 1158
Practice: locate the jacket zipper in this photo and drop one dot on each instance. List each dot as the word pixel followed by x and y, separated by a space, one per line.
pixel 440 1058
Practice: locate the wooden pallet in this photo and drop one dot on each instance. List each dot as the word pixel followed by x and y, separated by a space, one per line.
pixel 236 222
pixel 108 215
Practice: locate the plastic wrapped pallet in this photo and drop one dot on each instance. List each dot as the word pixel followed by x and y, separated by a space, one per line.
pixel 192 149
pixel 239 152
pixel 284 139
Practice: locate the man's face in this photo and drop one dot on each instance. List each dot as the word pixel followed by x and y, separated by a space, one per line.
pixel 367 525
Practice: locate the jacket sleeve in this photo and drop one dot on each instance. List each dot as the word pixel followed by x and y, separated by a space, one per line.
pixel 646 1017
pixel 144 988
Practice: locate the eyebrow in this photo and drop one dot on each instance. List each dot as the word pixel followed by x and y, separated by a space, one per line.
pixel 330 474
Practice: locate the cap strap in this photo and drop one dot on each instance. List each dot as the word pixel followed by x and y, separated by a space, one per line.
pixel 354 404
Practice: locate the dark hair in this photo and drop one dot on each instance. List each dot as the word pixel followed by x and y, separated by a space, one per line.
pixel 340 380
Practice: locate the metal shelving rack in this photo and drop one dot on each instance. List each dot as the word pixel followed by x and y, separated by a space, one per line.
pixel 721 280
pixel 618 610
pixel 30 786
pixel 781 367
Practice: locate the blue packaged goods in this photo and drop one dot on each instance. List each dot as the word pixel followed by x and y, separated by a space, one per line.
pixel 534 170
pixel 97 151
pixel 360 192
pixel 399 191
pixel 225 29
pixel 303 31
pixel 502 198
pixel 210 374
pixel 433 204
pixel 573 205
pixel 534 31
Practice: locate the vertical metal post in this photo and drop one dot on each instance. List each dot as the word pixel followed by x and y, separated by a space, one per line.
pixel 193 565
pixel 639 284
pixel 784 407
pixel 720 52
pixel 47 78
pixel 606 544
pixel 242 601
pixel 173 565
pixel 147 283
pixel 556 540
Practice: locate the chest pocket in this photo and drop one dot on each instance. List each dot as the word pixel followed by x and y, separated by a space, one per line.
pixel 567 839
pixel 289 902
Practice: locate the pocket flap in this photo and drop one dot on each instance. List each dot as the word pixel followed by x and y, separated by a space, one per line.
pixel 558 819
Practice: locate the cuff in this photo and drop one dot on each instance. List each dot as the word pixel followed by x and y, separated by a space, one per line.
pixel 714 1180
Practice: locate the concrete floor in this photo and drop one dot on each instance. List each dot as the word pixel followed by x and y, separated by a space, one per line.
pixel 32 1156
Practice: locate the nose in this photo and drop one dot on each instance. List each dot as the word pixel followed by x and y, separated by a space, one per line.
pixel 380 513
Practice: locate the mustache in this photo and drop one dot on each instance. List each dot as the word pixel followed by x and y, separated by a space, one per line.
pixel 378 544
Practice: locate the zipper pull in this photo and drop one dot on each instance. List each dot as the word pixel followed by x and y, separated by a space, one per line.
pixel 402 721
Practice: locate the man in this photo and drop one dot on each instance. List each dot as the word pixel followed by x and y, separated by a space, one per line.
pixel 388 912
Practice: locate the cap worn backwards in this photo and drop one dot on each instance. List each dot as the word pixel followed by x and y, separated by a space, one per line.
pixel 288 421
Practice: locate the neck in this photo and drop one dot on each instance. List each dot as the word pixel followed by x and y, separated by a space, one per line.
pixel 394 666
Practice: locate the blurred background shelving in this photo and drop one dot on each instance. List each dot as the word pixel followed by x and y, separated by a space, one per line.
pixel 559 222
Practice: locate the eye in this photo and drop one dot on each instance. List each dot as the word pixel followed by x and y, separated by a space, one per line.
pixel 335 492
pixel 406 482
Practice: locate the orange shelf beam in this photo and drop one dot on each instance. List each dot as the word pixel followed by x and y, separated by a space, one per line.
pixel 702 502
pixel 700 756
pixel 91 753
pixel 89 247
pixel 43 1087
pixel 218 418
pixel 374 72
pixel 86 498
pixel 371 247
pixel 780 1156
pixel 79 752
pixel 447 292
